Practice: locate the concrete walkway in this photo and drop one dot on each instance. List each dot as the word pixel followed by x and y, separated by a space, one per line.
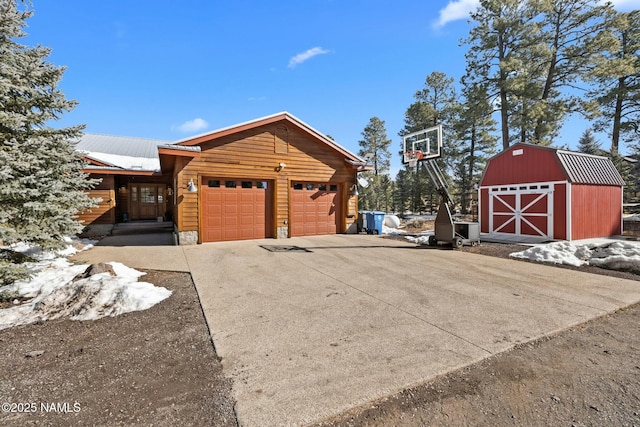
pixel 310 327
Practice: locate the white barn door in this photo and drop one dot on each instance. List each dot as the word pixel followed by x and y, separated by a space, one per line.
pixel 522 210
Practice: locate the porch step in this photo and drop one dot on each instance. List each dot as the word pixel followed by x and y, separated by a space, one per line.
pixel 142 227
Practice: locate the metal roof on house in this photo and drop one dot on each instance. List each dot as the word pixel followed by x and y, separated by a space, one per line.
pixel 589 169
pixel 120 145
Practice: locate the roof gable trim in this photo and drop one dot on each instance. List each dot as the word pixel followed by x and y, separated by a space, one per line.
pixel 282 116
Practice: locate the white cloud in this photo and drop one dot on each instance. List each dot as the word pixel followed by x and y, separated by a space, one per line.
pixel 304 56
pixel 455 11
pixel 460 9
pixel 625 5
pixel 194 125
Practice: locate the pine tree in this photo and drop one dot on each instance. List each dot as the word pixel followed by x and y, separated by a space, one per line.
pixel 588 144
pixel 375 143
pixel 494 59
pixel 532 56
pixel 42 186
pixel 475 129
pixel 617 78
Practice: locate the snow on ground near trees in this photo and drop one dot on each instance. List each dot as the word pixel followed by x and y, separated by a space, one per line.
pixel 616 255
pixel 52 293
pixel 609 254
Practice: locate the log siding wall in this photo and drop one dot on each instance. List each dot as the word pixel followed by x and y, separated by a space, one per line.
pixel 256 154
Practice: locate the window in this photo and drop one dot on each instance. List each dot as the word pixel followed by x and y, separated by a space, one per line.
pixel 322 187
pixel 333 187
pixel 147 195
pixel 134 194
pixel 310 187
pixel 214 183
pixel 261 184
pixel 230 184
pixel 247 184
pixel 297 186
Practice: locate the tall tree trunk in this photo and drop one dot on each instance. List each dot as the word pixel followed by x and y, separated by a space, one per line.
pixel 504 107
pixel 472 161
pixel 548 84
pixel 617 116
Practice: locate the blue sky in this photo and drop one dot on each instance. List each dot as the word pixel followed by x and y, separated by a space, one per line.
pixel 168 70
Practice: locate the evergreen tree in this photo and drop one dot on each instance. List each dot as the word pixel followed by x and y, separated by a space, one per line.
pixel 571 31
pixel 374 142
pixel 475 133
pixel 503 28
pixel 532 55
pixel 617 78
pixel 402 197
pixel 41 180
pixel 588 144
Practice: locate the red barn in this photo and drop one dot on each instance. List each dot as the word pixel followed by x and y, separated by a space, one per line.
pixel 530 190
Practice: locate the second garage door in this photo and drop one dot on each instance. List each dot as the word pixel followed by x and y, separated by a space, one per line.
pixel 314 208
pixel 236 209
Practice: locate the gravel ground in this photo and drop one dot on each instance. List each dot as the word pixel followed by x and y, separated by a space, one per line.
pixel 152 367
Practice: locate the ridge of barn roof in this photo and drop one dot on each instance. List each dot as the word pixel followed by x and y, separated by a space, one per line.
pixel 584 168
pixel 580 168
pixel 283 115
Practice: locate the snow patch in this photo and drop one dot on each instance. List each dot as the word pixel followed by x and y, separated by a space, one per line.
pixel 619 255
pixel 127 162
pixel 392 221
pixel 52 292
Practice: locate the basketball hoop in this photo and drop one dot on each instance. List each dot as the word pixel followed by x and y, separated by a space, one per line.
pixel 422 145
pixel 412 157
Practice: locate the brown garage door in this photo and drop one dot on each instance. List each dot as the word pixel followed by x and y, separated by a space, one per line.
pixel 235 209
pixel 314 208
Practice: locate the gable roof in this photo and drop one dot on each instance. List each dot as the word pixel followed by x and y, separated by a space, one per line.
pixel 578 168
pixel 274 118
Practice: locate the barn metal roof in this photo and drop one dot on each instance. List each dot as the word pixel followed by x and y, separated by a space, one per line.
pixel 589 169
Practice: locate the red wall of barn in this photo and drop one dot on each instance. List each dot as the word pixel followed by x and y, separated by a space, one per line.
pixel 560 211
pixel 596 211
pixel 533 165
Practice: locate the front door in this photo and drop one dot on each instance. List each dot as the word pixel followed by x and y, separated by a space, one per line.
pixel 146 201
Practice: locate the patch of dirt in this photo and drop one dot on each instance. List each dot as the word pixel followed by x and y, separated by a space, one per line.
pixel 152 367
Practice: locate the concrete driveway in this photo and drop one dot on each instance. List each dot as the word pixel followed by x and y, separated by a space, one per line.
pixel 310 327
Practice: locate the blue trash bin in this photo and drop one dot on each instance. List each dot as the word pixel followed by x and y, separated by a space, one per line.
pixel 374 222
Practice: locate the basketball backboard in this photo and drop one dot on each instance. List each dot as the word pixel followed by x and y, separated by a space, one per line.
pixel 422 145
